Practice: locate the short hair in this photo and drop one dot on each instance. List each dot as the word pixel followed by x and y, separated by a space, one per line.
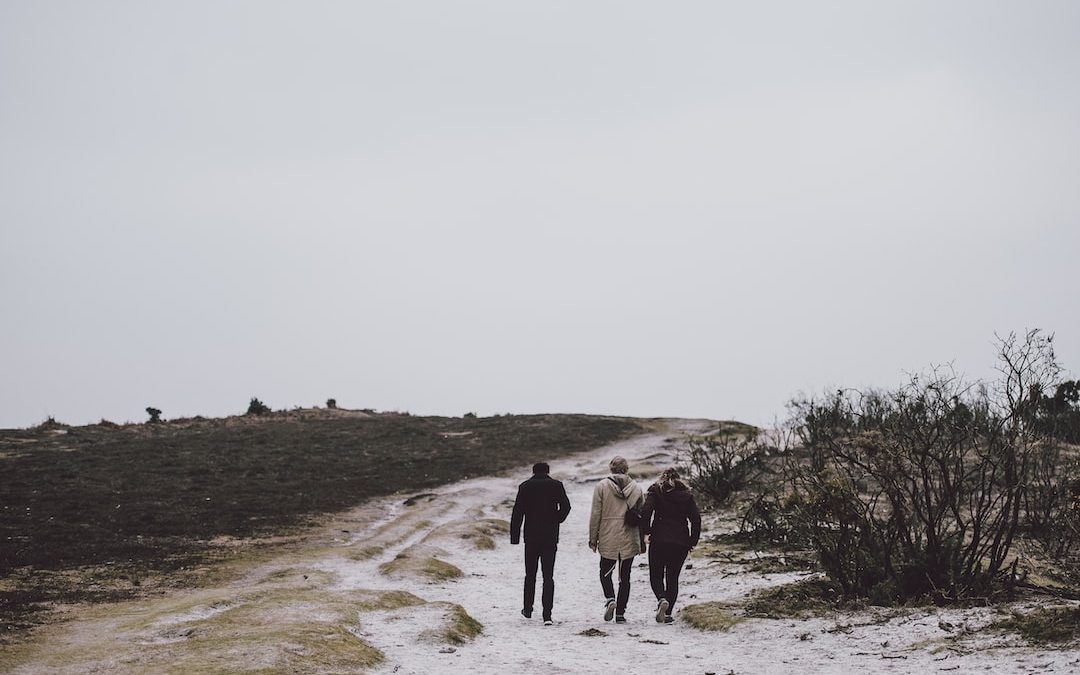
pixel 541 468
pixel 618 464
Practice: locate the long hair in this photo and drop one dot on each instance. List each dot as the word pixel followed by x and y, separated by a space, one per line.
pixel 669 479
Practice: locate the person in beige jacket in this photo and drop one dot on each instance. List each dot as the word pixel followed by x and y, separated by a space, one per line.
pixel 611 537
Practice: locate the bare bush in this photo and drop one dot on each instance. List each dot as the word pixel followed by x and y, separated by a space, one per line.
pixel 719 466
pixel 920 490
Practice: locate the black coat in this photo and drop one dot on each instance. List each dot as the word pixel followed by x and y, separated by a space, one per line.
pixel 542 503
pixel 666 515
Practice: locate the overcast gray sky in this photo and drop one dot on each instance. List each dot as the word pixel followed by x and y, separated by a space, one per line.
pixel 677 208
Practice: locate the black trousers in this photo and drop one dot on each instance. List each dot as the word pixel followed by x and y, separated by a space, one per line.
pixel 542 555
pixel 665 565
pixel 607 566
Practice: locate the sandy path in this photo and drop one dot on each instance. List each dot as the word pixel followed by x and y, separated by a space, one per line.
pixel 304 611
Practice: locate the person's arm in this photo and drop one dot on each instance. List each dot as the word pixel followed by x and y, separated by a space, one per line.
pixel 516 518
pixel 594 517
pixel 647 512
pixel 646 516
pixel 564 504
pixel 695 523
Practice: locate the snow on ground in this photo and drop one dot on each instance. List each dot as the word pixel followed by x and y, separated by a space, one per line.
pixel 490 591
pixel 396 573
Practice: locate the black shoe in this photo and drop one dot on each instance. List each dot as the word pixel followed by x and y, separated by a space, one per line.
pixel 619 618
pixel 609 609
pixel 548 621
pixel 527 613
pixel 669 619
pixel 661 610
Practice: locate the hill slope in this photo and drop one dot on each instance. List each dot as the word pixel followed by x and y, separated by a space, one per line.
pixel 103 512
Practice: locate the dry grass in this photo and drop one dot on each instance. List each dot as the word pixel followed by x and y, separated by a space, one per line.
pixel 801 599
pixel 480 532
pixel 714 616
pixel 282 629
pixel 1045 626
pixel 416 563
pixel 460 627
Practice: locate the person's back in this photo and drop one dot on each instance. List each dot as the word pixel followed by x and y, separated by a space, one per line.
pixel 541 505
pixel 608 529
pixel 612 537
pixel 676 520
pixel 671 523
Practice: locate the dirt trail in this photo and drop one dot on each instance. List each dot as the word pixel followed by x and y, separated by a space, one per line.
pixel 431 584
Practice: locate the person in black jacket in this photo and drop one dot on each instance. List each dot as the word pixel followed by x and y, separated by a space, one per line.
pixel 542 504
pixel 669 508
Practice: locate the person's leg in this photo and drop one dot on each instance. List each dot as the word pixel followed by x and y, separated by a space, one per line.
pixel 607 566
pixel 547 564
pixel 656 571
pixel 675 561
pixel 624 585
pixel 532 558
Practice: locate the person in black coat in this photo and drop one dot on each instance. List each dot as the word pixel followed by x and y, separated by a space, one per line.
pixel 542 504
pixel 671 523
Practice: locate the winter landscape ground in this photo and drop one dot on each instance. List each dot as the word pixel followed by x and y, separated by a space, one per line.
pixel 426 583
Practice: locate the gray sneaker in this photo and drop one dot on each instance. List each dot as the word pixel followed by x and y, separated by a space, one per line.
pixel 662 610
pixel 609 609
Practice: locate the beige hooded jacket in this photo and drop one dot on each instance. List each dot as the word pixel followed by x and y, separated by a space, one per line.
pixel 613 538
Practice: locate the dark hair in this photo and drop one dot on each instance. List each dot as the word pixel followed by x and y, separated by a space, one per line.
pixel 541 468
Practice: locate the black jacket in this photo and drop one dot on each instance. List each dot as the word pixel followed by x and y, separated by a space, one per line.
pixel 666 514
pixel 542 503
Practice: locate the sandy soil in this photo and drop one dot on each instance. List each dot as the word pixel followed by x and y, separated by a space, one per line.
pixel 431 584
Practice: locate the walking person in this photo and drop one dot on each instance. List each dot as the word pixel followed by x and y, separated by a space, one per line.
pixel 614 535
pixel 543 505
pixel 671 524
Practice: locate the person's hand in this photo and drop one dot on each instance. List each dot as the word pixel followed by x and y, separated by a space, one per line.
pixel 592 546
pixel 648 539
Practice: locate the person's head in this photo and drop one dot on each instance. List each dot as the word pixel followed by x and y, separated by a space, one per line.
pixel 541 469
pixel 618 464
pixel 669 478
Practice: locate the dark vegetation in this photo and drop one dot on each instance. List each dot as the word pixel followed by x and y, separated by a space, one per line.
pixel 933 491
pixel 726 462
pixel 86 512
pixel 257 407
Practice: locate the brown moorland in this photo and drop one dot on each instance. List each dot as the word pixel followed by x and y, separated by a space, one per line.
pixel 105 512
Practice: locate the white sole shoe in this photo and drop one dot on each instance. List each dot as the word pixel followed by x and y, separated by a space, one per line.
pixel 609 610
pixel 661 610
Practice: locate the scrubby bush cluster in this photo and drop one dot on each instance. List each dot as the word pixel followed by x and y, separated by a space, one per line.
pixel 924 490
pixel 257 407
pixel 721 465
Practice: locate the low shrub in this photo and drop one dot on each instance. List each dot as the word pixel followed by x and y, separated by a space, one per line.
pixel 257 407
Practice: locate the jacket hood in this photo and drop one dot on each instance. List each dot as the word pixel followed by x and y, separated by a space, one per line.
pixel 625 486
